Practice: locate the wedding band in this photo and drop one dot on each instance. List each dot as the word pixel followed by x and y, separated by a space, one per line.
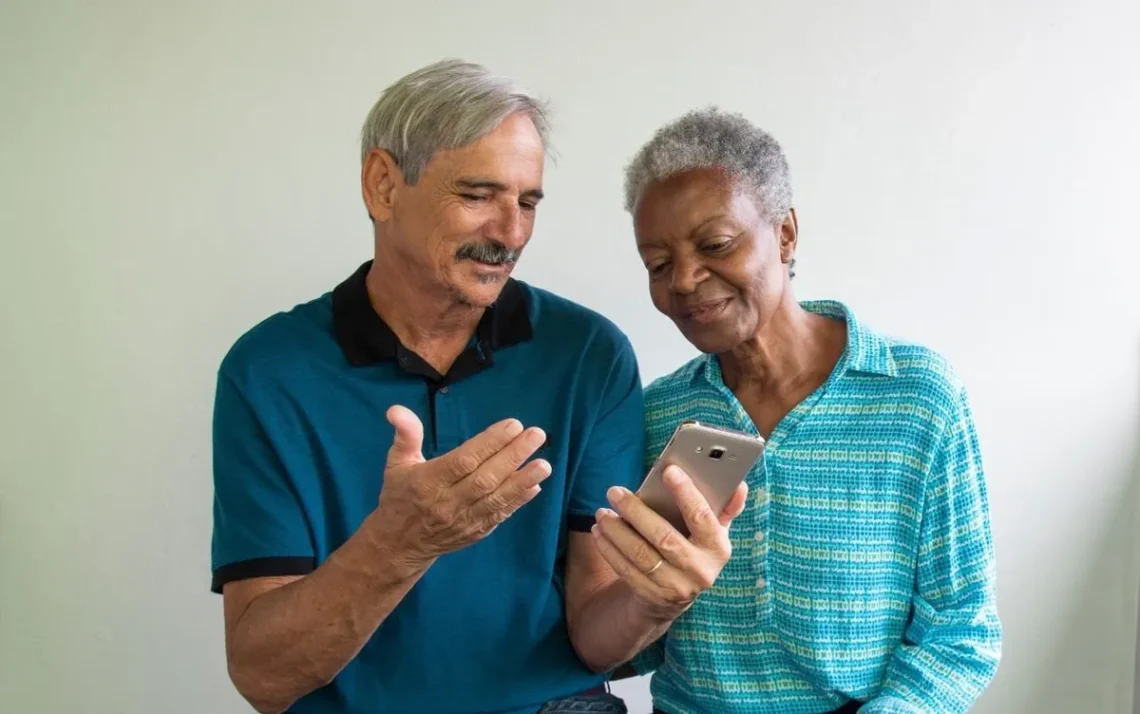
pixel 655 567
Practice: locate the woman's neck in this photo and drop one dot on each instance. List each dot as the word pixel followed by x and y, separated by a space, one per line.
pixel 792 347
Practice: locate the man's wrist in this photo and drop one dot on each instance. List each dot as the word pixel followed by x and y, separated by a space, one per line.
pixel 389 559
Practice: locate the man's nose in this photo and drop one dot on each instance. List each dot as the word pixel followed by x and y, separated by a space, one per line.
pixel 511 227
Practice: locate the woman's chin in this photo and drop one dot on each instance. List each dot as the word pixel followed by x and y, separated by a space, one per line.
pixel 710 339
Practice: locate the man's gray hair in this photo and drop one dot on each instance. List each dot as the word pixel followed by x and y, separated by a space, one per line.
pixel 444 106
pixel 711 138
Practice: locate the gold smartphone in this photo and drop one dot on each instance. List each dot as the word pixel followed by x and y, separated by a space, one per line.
pixel 716 459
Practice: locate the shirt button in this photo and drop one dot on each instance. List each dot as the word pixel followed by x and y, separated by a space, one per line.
pixel 759 535
pixel 761 495
pixel 443 390
pixel 760 583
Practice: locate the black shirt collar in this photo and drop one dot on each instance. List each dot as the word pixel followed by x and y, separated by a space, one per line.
pixel 366 339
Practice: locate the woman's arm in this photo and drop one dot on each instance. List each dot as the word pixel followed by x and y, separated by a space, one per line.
pixel 952 647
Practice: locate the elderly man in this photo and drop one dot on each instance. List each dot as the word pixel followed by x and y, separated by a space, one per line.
pixel 383 538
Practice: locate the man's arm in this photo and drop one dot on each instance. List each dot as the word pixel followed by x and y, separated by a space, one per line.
pixel 952 647
pixel 287 636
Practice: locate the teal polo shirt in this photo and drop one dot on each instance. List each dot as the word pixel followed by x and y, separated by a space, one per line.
pixel 300 441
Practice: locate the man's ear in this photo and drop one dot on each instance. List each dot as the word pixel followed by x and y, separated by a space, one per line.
pixel 789 237
pixel 380 177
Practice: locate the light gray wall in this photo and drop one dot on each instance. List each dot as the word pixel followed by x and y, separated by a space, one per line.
pixel 173 172
pixel 1136 675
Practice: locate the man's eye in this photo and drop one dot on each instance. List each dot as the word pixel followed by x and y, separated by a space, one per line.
pixel 473 197
pixel 658 268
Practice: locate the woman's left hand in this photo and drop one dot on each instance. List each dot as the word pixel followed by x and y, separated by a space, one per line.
pixel 665 569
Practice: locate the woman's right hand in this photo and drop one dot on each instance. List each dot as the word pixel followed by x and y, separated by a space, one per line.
pixel 664 568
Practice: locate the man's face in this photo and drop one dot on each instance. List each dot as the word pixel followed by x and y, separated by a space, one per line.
pixel 465 222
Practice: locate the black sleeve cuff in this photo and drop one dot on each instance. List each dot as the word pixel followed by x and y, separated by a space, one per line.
pixel 261 568
pixel 580 524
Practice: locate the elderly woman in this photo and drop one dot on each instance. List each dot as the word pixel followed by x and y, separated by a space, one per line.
pixel 862 569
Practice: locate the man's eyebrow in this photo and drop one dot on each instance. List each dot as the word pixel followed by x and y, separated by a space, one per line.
pixel 472 184
pixel 476 184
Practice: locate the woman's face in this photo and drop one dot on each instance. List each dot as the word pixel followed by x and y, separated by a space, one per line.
pixel 716 266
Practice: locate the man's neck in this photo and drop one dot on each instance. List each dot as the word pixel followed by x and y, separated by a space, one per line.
pixel 426 318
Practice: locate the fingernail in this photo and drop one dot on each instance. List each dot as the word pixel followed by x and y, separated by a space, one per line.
pixel 607 513
pixel 514 427
pixel 537 436
pixel 616 492
pixel 673 475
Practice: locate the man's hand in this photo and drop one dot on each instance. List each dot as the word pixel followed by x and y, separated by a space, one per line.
pixel 663 568
pixel 429 508
pixel 285 637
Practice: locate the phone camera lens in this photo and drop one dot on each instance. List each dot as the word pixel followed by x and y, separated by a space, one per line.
pixel 716 453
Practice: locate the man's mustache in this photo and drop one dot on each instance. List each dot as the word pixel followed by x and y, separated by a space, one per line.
pixel 491 252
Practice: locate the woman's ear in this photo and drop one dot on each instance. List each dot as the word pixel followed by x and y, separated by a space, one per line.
pixel 789 237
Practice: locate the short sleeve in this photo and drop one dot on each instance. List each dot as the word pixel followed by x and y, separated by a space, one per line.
pixel 260 528
pixel 615 447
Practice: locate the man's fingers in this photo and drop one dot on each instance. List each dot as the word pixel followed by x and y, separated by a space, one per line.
pixel 494 470
pixel 704 528
pixel 515 454
pixel 516 490
pixel 407 444
pixel 735 505
pixel 471 454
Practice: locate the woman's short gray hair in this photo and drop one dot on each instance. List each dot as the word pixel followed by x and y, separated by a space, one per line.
pixel 711 138
pixel 444 106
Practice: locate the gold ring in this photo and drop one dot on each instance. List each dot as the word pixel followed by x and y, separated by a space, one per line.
pixel 655 567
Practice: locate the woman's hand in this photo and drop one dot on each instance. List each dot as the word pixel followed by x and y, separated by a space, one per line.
pixel 663 568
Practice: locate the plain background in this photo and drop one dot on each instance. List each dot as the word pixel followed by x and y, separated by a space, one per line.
pixel 965 176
